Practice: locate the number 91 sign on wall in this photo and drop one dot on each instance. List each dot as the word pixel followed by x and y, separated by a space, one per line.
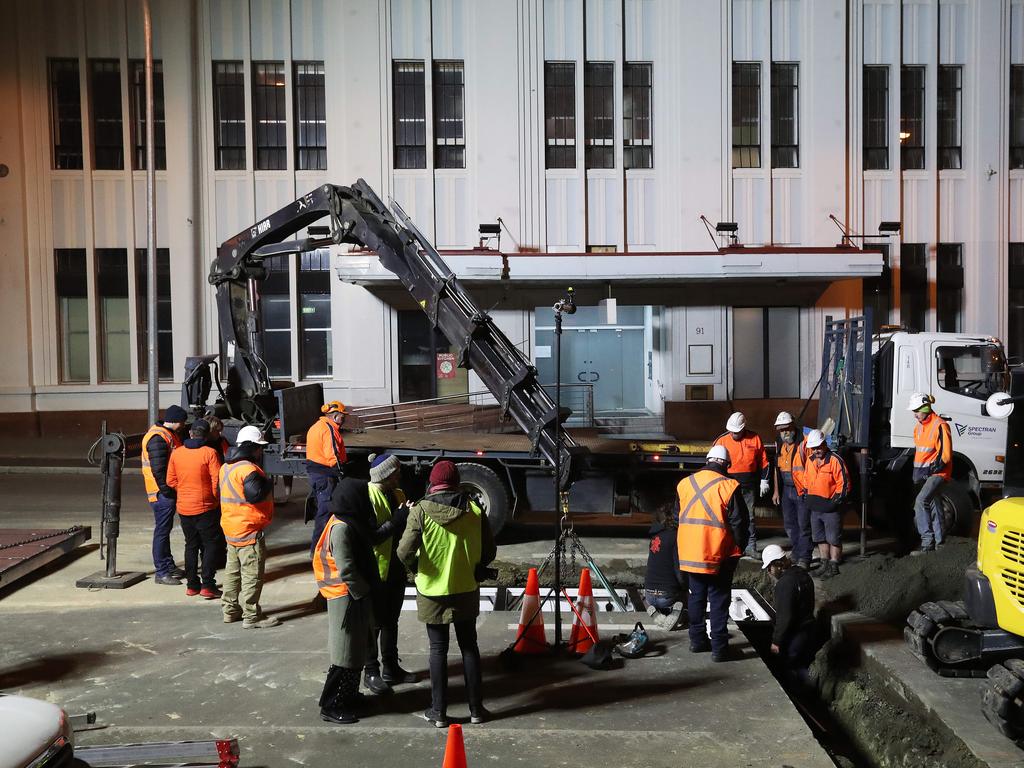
pixel 445 365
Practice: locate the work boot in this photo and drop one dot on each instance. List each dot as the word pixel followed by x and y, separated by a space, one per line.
pixel 823 571
pixel 829 570
pixel 921 551
pixel 436 719
pixel 168 580
pixel 178 573
pixel 261 623
pixel 700 647
pixel 668 622
pixel 394 674
pixel 805 564
pixel 231 618
pixel 723 654
pixel 376 684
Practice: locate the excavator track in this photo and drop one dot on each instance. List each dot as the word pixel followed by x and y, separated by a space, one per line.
pixel 1001 700
pixel 923 628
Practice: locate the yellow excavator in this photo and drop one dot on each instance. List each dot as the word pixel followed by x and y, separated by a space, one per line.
pixel 983 636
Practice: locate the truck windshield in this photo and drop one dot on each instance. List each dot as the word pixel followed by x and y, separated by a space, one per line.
pixel 976 371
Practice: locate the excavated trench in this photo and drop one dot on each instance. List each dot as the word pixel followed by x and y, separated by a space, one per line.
pixel 852 709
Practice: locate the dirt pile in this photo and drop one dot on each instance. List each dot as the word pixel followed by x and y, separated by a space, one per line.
pixel 887 588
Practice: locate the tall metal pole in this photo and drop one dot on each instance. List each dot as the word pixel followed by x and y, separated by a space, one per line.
pixel 152 384
pixel 558 478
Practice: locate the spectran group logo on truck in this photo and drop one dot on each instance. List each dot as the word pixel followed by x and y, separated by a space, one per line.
pixel 973 431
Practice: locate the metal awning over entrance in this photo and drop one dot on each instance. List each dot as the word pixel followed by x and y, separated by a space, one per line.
pixel 749 265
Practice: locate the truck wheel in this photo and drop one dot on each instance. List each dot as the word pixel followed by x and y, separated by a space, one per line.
pixel 958 510
pixel 488 491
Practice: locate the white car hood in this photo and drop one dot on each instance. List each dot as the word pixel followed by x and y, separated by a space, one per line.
pixel 27 727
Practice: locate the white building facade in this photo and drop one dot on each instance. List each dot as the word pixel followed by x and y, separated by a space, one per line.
pixel 597 131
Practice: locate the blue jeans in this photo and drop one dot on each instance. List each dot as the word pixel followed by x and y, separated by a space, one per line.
pixel 323 487
pixel 712 590
pixel 163 521
pixel 928 512
pixel 750 498
pixel 662 601
pixel 797 520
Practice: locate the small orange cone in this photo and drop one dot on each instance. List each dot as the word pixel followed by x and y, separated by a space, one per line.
pixel 455 749
pixel 531 639
pixel 581 641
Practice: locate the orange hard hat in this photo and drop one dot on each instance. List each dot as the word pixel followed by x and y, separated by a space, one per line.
pixel 335 406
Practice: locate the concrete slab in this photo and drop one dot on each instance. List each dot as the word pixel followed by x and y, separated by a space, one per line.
pixel 158 665
pixel 952 704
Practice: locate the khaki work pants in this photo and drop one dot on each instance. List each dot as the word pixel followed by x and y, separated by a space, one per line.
pixel 243 580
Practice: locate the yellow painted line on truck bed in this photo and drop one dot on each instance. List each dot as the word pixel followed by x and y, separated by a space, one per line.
pixel 671 449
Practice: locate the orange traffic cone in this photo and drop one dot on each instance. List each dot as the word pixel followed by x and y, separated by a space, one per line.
pixel 455 749
pixel 581 641
pixel 531 621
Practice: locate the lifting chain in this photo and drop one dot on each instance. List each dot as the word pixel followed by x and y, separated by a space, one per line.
pixel 66 532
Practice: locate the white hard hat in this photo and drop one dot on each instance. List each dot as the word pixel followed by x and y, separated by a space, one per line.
pixel 736 423
pixel 770 554
pixel 718 452
pixel 815 438
pixel 250 434
pixel 919 400
pixel 784 418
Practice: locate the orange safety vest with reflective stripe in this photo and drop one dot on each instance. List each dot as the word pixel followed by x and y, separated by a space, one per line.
pixel 933 444
pixel 172 440
pixel 241 520
pixel 747 460
pixel 826 478
pixel 324 443
pixel 790 459
pixel 328 579
pixel 704 537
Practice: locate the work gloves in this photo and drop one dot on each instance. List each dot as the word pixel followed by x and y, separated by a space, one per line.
pixel 764 488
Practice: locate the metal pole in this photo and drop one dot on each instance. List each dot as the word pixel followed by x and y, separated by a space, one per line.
pixel 865 496
pixel 558 475
pixel 152 388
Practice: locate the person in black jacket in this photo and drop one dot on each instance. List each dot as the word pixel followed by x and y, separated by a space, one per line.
pixel 794 637
pixel 664 584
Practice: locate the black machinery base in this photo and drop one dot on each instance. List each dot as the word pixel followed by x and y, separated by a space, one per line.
pixel 100 580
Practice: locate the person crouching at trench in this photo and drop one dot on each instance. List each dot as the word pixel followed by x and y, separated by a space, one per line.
pixel 345 568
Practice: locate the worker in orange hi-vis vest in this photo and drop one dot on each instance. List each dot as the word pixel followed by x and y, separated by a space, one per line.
pixel 824 486
pixel 748 464
pixel 713 530
pixel 157 444
pixel 325 459
pixel 246 509
pixel 933 468
pixel 790 458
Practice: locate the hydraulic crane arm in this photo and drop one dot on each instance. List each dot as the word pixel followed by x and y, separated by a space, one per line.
pixel 357 216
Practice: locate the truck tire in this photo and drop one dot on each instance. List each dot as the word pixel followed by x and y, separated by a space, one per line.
pixel 489 492
pixel 958 509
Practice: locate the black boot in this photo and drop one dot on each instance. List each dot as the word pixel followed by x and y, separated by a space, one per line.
pixel 376 684
pixel 333 708
pixel 395 675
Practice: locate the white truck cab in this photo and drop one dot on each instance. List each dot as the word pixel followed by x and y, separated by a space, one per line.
pixel 961 372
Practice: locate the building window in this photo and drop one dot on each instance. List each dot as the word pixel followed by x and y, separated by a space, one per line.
pixel 746 115
pixel 637 121
pixel 914 286
pixel 107 124
pixel 66 114
pixel 269 116
pixel 559 114
pixel 876 118
pixel 449 115
pixel 310 116
pixel 949 278
pixel 115 320
pixel 1017 116
pixel 138 105
pixel 421 354
pixel 314 288
pixel 1015 338
pixel 229 115
pixel 912 118
pixel 785 115
pixel 72 313
pixel 276 305
pixel 599 114
pixel 410 114
pixel 878 290
pixel 164 339
pixel 950 96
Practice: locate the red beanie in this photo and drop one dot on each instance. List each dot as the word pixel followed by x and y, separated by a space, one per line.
pixel 444 473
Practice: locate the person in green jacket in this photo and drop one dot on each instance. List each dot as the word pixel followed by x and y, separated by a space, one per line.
pixel 447 541
pixel 389 506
